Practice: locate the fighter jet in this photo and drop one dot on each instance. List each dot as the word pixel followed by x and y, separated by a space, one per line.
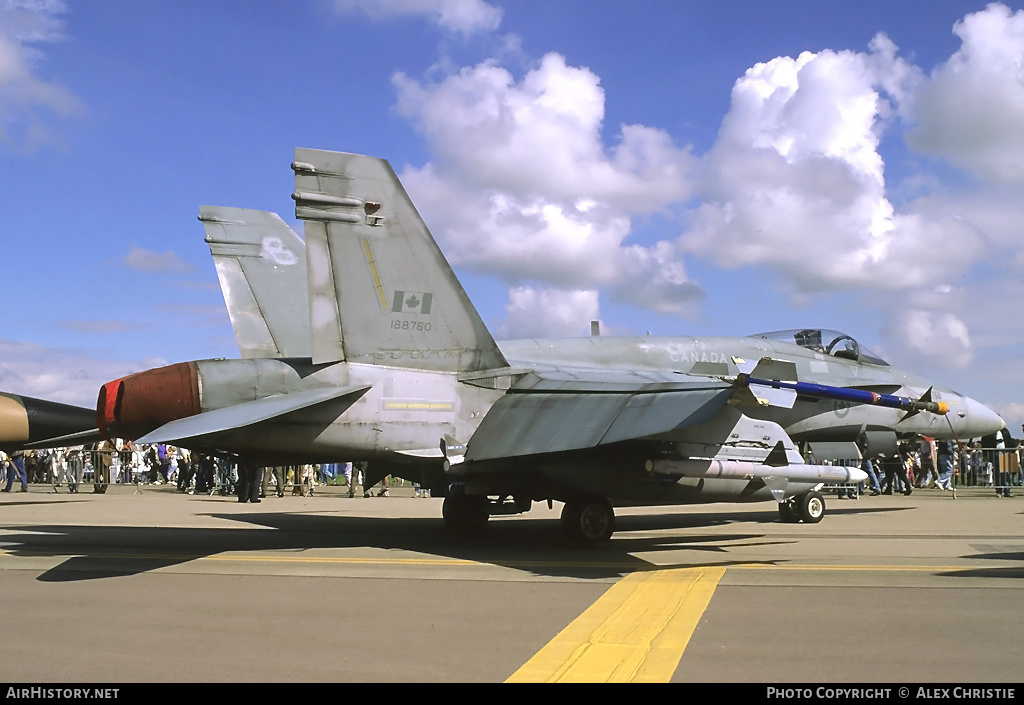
pixel 401 372
pixel 26 422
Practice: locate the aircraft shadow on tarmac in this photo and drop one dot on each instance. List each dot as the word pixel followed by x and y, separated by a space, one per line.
pixel 531 545
pixel 1004 571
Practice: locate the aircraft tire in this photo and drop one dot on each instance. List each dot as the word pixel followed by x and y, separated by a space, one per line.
pixel 812 507
pixel 788 513
pixel 588 521
pixel 465 514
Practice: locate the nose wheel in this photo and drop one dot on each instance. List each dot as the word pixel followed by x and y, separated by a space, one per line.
pixel 808 507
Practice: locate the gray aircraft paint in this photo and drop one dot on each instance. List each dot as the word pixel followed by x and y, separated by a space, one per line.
pixel 365 241
pixel 270 293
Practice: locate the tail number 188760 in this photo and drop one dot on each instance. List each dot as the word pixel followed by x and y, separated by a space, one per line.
pixel 410 325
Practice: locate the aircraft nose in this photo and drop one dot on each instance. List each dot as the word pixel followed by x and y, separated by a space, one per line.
pixel 979 420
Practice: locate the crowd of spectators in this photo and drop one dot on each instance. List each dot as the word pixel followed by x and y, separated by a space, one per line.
pixel 106 463
pixel 995 461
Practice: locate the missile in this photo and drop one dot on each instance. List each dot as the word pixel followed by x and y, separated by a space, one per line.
pixel 745 470
pixel 859 396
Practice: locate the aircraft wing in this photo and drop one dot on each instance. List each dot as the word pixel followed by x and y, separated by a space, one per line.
pixel 564 411
pixel 239 416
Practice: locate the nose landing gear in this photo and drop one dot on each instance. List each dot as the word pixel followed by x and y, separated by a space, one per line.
pixel 808 507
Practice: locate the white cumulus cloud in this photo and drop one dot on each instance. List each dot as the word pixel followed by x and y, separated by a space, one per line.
pixel 971 110
pixel 522 185
pixel 796 181
pixel 25 97
pixel 928 327
pixel 549 313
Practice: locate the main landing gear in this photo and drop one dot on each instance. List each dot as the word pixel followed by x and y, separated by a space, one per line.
pixel 808 507
pixel 588 520
pixel 463 513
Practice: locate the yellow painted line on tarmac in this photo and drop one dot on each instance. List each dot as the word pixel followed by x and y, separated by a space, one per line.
pixel 636 632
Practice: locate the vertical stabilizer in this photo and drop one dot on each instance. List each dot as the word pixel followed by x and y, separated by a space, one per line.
pixel 380 291
pixel 261 264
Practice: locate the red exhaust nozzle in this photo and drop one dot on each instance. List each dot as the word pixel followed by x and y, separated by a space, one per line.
pixel 137 404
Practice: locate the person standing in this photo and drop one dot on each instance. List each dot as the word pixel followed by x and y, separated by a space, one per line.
pixel 163 462
pixel 104 458
pixel 944 453
pixel 346 470
pixel 280 479
pixel 895 467
pixel 76 468
pixel 6 468
pixel 249 476
pixel 16 468
pixel 927 449
pixel 172 464
pixel 1007 458
pixel 866 465
pixel 1020 461
pixel 59 468
pixel 186 470
pixel 1000 461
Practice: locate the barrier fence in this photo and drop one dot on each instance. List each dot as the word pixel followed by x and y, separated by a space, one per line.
pixel 999 469
pixel 202 474
pixel 995 468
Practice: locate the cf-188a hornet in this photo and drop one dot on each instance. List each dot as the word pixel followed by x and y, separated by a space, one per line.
pixel 362 345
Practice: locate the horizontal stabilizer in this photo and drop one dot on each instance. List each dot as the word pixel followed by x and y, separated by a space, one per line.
pixel 93 435
pixel 247 414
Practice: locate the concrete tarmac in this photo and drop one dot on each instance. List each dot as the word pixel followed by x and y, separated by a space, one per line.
pixel 157 586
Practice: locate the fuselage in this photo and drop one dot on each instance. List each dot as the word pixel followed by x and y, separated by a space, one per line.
pixel 809 419
pixel 406 411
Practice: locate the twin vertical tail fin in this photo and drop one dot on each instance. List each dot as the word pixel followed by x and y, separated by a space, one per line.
pixel 380 291
pixel 261 264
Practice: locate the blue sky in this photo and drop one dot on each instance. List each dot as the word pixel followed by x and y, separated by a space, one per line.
pixel 692 168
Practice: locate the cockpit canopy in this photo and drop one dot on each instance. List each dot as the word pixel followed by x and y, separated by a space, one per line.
pixel 826 342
